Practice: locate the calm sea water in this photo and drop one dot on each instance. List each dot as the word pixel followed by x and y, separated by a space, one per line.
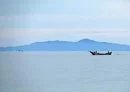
pixel 64 72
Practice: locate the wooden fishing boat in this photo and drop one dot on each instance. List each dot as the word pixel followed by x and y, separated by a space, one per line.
pixel 97 53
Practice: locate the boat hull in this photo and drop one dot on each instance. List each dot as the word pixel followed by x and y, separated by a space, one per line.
pixel 96 53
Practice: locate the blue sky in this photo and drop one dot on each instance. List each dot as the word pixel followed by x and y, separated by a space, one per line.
pixel 27 21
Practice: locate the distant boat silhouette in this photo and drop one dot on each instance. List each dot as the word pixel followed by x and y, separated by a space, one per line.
pixel 97 53
pixel 20 50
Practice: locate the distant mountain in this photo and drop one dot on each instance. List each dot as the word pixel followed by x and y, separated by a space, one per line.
pixel 82 45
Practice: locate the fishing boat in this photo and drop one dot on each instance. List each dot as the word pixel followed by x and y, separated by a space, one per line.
pixel 97 53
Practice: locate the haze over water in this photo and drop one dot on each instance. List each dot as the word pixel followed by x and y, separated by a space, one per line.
pixel 64 72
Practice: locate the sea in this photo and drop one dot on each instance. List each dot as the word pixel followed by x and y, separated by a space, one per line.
pixel 64 71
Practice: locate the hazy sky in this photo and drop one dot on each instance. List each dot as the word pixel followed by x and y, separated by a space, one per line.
pixel 27 21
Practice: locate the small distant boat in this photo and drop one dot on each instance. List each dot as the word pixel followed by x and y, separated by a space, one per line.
pixel 97 53
pixel 20 50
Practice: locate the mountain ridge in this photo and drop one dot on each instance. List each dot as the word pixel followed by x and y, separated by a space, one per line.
pixel 57 45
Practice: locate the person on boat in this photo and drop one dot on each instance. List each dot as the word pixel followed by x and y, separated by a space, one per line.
pixel 96 52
